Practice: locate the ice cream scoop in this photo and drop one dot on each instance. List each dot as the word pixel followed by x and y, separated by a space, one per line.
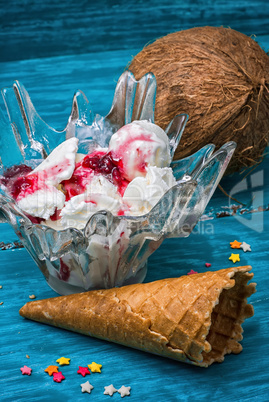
pixel 143 193
pixel 100 194
pixel 36 192
pixel 138 145
pixel 60 163
pixel 43 202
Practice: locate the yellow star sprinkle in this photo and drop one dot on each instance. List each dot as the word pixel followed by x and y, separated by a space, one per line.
pixel 95 368
pixel 235 244
pixel 63 361
pixel 51 369
pixel 234 257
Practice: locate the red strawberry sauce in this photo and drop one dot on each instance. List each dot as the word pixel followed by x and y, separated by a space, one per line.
pixel 21 182
pixel 98 162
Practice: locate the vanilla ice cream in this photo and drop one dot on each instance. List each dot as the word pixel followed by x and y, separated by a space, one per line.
pixel 138 145
pixel 143 193
pixel 100 194
pixel 60 163
pixel 42 203
pixel 127 178
pixel 37 193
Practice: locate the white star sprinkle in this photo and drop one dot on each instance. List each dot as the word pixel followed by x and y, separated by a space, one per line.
pixel 245 246
pixel 110 390
pixel 86 387
pixel 124 391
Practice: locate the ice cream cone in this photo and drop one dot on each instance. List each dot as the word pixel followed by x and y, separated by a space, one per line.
pixel 195 318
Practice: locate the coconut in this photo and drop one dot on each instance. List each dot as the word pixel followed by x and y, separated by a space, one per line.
pixel 220 78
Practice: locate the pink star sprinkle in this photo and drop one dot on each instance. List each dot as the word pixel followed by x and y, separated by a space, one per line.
pixel 207 264
pixel 58 377
pixel 83 371
pixel 192 272
pixel 26 370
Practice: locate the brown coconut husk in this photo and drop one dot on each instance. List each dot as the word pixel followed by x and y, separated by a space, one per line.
pixel 220 78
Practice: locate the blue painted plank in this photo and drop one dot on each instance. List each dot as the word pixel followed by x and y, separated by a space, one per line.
pixel 48 28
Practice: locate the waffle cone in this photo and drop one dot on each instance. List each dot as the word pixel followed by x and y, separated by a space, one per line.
pixel 195 318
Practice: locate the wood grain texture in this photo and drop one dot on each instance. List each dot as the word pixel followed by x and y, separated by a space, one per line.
pixel 149 376
pixel 55 48
pixel 36 29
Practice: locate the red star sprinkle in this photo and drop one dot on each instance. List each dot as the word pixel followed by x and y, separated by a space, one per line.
pixel 192 272
pixel 26 370
pixel 83 371
pixel 207 264
pixel 58 377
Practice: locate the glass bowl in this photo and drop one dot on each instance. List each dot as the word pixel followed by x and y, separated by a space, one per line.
pixel 111 250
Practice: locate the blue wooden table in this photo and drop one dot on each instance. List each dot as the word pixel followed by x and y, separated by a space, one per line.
pixel 55 48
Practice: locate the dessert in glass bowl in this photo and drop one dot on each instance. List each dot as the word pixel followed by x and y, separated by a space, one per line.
pixel 67 188
pixel 92 202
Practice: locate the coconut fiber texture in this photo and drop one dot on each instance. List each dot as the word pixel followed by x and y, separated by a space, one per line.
pixel 195 318
pixel 220 78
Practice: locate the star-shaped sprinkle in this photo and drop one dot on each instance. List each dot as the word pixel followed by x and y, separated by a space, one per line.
pixel 234 257
pixel 95 368
pixel 192 272
pixel 124 391
pixel 207 264
pixel 26 370
pixel 63 361
pixel 58 377
pixel 110 390
pixel 51 369
pixel 235 244
pixel 83 371
pixel 86 387
pixel 245 246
